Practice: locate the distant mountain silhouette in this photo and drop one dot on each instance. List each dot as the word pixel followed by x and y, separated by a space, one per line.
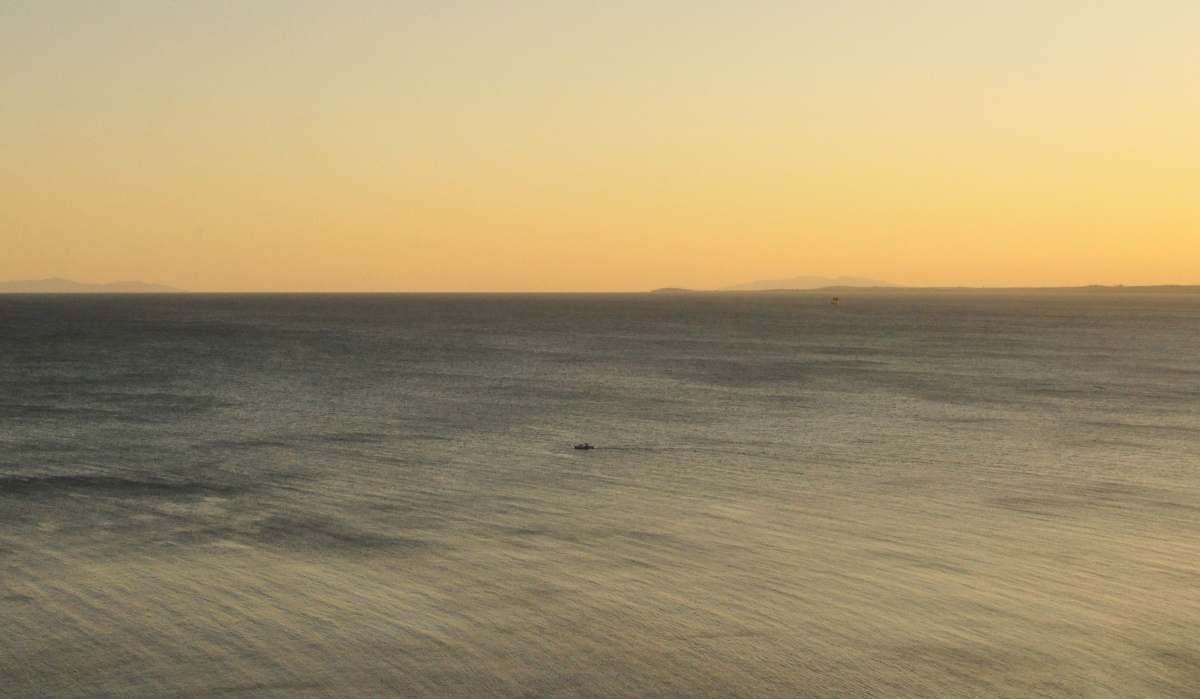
pixel 808 282
pixel 66 286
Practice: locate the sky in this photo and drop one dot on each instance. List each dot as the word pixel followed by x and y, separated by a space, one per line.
pixel 457 145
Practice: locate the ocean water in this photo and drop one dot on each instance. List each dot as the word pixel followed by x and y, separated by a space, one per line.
pixel 906 495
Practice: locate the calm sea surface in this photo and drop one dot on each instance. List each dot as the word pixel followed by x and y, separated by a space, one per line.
pixel 905 495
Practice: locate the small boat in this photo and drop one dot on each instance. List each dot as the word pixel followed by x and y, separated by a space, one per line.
pixel 585 445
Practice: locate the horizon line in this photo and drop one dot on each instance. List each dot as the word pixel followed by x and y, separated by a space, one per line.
pixel 1185 288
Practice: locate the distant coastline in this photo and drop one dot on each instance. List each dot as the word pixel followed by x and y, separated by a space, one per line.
pixel 57 285
pixel 1091 289
pixel 67 286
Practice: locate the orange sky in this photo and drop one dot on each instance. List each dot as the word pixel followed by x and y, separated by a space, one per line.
pixel 616 146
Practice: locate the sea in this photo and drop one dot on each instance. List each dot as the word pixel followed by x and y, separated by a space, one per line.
pixel 903 495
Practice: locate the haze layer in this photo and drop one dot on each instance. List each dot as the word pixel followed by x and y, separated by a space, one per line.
pixel 599 146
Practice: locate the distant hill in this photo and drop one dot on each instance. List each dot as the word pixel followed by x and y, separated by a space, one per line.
pixel 66 286
pixel 809 282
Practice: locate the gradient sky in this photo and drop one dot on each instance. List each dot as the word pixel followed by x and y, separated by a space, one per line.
pixel 228 145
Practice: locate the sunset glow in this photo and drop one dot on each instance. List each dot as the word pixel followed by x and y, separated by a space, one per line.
pixel 537 146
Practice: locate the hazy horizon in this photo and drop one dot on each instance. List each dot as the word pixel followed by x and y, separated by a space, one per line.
pixel 34 286
pixel 463 146
pixel 58 285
